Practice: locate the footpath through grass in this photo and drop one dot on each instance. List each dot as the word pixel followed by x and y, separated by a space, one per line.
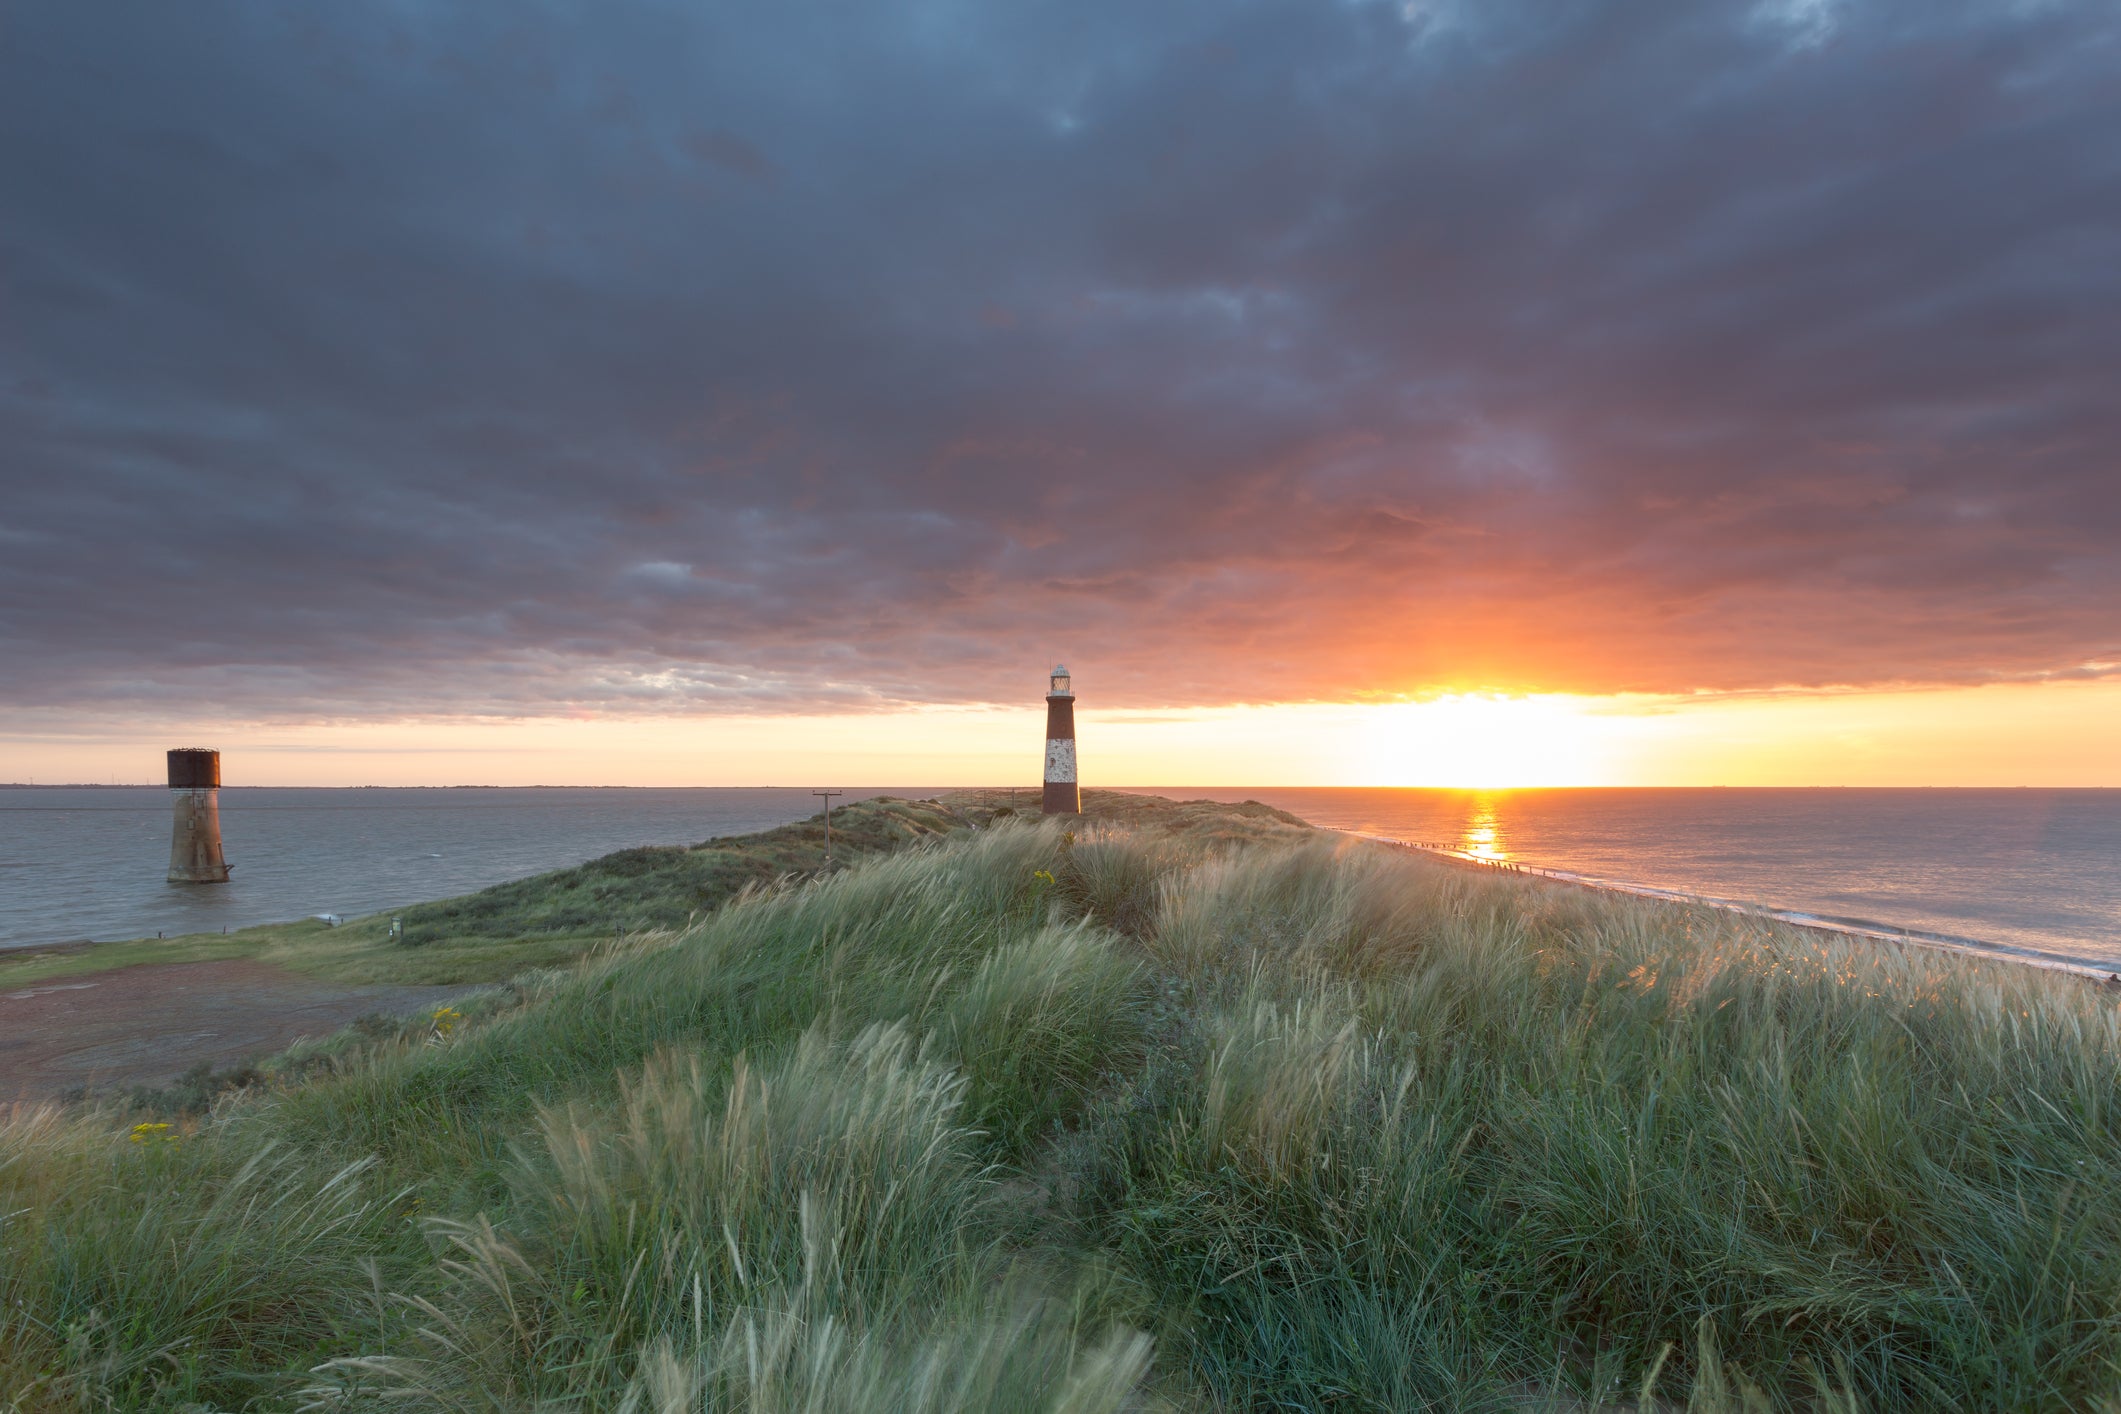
pixel 1189 1108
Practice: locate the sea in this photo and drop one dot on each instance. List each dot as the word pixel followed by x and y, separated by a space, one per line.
pixel 2037 869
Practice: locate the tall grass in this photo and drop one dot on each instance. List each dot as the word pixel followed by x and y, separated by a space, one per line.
pixel 1020 1121
pixel 1562 1128
pixel 837 1181
pixel 152 1266
pixel 1039 1026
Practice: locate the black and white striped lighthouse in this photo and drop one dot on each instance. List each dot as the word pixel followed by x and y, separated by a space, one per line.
pixel 195 834
pixel 1062 796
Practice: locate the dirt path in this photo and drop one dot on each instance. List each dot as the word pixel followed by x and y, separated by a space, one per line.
pixel 147 1025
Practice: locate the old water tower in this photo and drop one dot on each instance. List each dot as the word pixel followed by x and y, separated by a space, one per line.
pixel 195 835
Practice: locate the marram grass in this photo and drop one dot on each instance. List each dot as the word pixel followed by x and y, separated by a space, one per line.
pixel 1137 1119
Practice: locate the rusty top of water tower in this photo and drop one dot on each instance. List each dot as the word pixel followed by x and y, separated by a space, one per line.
pixel 194 768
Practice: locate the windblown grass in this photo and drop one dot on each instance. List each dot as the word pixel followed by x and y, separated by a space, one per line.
pixel 1235 1118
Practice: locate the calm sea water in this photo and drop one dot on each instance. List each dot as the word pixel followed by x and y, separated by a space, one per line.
pixel 2035 868
pixel 87 862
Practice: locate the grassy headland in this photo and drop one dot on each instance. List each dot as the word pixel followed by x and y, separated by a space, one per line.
pixel 544 920
pixel 1189 1107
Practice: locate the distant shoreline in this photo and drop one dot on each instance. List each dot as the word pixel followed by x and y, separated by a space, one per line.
pixel 2041 896
pixel 2107 971
pixel 1871 930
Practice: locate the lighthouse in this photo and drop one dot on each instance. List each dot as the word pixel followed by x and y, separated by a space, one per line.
pixel 1062 797
pixel 195 837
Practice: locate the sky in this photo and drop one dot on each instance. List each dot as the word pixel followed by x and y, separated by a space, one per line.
pixel 1350 393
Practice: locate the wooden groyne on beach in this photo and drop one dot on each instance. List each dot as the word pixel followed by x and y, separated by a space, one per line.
pixel 2107 972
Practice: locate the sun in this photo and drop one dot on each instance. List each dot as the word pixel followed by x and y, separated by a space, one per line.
pixel 1475 740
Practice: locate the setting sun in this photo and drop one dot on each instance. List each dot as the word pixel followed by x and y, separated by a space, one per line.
pixel 1484 740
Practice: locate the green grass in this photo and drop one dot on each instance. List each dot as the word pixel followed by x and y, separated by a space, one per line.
pixel 1190 1108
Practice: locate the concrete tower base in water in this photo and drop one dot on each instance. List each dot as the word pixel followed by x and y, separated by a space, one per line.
pixel 195 833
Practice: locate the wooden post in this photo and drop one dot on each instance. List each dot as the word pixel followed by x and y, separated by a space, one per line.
pixel 827 796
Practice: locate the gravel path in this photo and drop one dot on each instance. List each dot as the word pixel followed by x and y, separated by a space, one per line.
pixel 146 1025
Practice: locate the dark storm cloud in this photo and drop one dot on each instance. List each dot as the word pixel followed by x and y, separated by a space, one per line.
pixel 425 358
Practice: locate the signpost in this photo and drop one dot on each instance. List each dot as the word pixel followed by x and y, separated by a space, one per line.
pixel 826 796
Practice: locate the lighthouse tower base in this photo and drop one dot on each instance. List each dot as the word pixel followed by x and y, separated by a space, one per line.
pixel 1062 797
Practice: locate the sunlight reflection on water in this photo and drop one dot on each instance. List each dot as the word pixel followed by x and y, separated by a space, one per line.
pixel 1481 834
